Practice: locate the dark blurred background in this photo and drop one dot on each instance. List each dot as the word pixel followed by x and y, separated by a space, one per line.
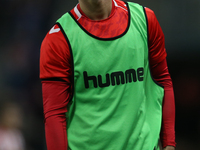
pixel 24 24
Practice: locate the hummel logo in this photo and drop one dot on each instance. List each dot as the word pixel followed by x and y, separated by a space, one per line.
pixel 115 78
pixel 54 30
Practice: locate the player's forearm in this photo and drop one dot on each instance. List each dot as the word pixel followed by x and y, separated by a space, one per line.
pixel 55 99
pixel 55 132
pixel 168 120
pixel 161 75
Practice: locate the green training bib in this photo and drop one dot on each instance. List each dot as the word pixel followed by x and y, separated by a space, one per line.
pixel 116 104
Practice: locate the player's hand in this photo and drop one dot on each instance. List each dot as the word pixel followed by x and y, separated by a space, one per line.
pixel 169 148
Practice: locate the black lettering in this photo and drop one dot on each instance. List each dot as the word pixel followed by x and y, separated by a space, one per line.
pixel 117 76
pixel 130 74
pixel 140 73
pixel 104 84
pixel 87 78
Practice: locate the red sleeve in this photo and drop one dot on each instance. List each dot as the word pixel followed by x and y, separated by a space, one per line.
pixel 156 39
pixel 55 56
pixel 55 100
pixel 55 74
pixel 160 73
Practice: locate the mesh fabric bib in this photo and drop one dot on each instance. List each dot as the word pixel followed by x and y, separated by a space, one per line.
pixel 116 104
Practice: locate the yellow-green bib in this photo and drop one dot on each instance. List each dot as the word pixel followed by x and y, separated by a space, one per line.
pixel 116 104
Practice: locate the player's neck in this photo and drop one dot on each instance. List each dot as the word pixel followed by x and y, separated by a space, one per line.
pixel 96 9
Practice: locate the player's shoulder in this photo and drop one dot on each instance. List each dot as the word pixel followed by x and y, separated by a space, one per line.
pixel 53 33
pixel 54 52
pixel 54 44
pixel 151 17
pixel 149 11
pixel 54 29
pixel 53 37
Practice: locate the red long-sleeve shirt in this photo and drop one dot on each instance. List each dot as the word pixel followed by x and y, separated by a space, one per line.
pixel 55 71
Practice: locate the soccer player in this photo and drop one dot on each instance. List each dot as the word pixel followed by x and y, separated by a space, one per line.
pixel 105 80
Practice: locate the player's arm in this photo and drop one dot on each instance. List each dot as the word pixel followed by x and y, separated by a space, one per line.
pixel 160 73
pixel 56 90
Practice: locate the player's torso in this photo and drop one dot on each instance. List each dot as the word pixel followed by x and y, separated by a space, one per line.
pixel 108 110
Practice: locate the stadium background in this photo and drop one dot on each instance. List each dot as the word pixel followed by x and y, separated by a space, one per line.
pixel 23 25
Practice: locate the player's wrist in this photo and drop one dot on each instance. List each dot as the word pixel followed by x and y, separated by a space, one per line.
pixel 169 148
